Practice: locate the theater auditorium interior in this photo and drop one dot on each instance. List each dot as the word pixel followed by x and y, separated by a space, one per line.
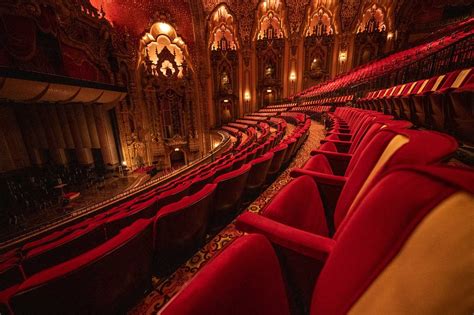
pixel 207 157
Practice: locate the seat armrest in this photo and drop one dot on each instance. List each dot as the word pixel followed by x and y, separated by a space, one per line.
pixel 320 178
pixel 339 133
pixel 301 242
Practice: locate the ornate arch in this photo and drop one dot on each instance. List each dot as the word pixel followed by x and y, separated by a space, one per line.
pixel 371 34
pixel 223 46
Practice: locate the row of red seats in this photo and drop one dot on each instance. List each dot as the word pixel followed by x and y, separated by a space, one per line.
pixel 265 115
pixel 358 242
pixel 172 220
pixel 59 246
pixel 315 111
pixel 389 64
pixel 284 105
pixel 404 250
pixel 273 110
pixel 442 102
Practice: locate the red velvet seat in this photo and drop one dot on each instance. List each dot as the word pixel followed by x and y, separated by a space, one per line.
pixel 251 155
pixel 180 229
pixel 200 181
pixel 389 147
pixel 244 279
pixel 230 188
pixel 277 161
pixel 382 260
pixel 291 142
pixel 146 209
pixel 258 174
pixel 106 279
pixel 10 273
pixel 460 105
pixel 339 161
pixel 114 224
pixel 63 249
pixel 227 167
pixel 239 161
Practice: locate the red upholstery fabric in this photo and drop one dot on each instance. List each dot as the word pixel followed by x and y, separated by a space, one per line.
pixel 361 253
pixel 244 279
pixel 424 147
pixel 180 228
pixel 298 205
pixel 258 173
pixel 10 273
pixel 318 163
pixel 230 188
pixel 63 249
pixel 102 280
pixel 277 161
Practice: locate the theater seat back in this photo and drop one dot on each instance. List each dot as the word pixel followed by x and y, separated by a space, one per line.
pixel 407 249
pixel 298 205
pixel 63 249
pixel 389 148
pixel 230 188
pixel 245 278
pixel 200 181
pixel 278 155
pixel 258 171
pixel 180 228
pixel 104 280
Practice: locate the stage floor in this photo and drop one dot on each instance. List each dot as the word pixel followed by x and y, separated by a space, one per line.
pixel 88 197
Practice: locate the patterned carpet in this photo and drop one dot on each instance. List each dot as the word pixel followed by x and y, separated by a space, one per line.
pixel 164 289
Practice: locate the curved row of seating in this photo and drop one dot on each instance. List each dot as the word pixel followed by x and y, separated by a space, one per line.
pixel 391 63
pixel 362 215
pixel 442 102
pixel 170 222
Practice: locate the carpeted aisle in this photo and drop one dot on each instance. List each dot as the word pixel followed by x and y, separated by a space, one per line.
pixel 165 289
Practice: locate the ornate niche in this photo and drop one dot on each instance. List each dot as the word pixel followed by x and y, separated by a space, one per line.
pixel 270 46
pixel 371 35
pixel 318 47
pixel 168 89
pixel 225 64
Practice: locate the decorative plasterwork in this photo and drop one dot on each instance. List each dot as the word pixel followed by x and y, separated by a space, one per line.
pixel 349 12
pixel 296 14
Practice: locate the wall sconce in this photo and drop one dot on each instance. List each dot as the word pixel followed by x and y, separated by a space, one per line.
pixel 226 101
pixel 292 80
pixel 269 91
pixel 389 36
pixel 292 77
pixel 176 149
pixel 342 56
pixel 247 96
pixel 124 163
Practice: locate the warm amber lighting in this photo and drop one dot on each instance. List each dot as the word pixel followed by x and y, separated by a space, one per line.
pixel 226 101
pixel 343 56
pixel 176 149
pixel 164 28
pixel 292 76
pixel 247 96
pixel 389 35
pixel 269 91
